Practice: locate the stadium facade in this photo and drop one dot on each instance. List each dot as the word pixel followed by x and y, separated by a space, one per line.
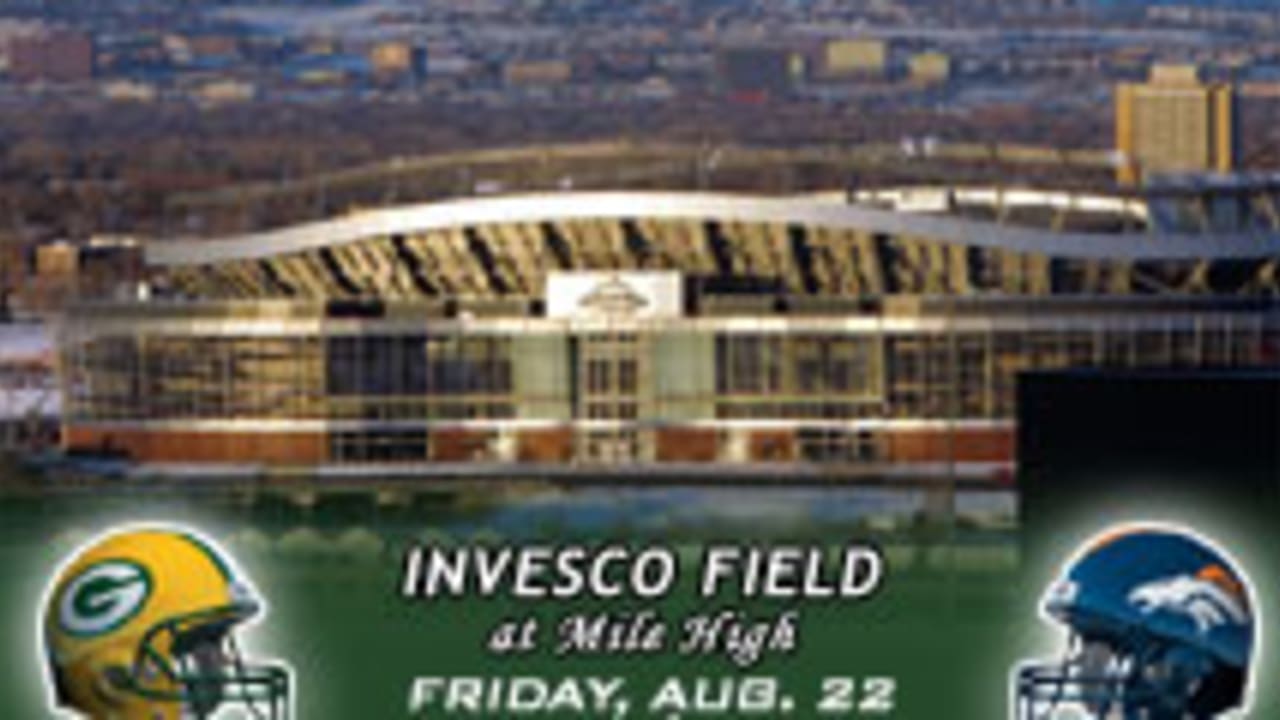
pixel 880 332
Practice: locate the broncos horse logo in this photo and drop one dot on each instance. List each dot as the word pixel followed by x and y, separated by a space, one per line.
pixel 1206 602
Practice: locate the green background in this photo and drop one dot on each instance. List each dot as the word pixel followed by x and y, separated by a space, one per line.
pixel 956 613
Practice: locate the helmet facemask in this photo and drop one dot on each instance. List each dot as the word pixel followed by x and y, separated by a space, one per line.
pixel 1091 675
pixel 1160 682
pixel 195 662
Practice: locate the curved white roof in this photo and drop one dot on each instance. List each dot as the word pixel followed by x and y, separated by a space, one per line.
pixel 568 206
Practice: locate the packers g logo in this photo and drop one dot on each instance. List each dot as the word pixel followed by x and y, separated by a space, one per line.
pixel 103 597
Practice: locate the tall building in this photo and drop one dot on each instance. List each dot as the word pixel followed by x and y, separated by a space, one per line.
pixel 1174 123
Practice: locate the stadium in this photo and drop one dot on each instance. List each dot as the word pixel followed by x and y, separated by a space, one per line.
pixel 864 333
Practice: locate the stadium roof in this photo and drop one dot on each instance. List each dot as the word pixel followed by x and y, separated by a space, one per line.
pixel 701 207
pixel 918 241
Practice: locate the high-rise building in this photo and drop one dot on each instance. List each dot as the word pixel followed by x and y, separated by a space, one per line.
pixel 1174 123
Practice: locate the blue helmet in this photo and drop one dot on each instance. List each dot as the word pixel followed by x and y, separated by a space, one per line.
pixel 1161 628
